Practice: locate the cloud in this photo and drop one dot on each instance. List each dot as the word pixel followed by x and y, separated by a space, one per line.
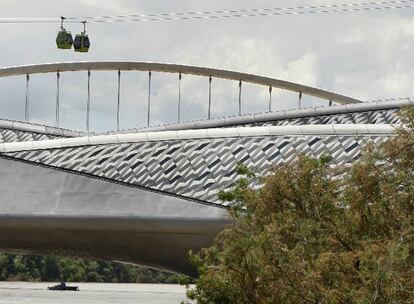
pixel 365 55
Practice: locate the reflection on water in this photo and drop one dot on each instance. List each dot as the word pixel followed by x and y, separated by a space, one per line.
pixel 91 293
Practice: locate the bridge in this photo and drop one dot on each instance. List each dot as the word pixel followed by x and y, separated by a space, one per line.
pixel 148 195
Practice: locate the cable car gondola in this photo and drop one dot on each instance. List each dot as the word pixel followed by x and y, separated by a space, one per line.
pixel 64 38
pixel 81 42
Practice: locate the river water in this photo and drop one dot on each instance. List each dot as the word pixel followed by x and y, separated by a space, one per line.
pixel 91 293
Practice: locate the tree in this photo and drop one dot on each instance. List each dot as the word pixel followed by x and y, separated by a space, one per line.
pixel 52 268
pixel 317 233
pixel 50 271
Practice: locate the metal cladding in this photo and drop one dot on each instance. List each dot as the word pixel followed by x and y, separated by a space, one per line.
pixel 52 212
pixel 196 169
pixel 197 164
pixel 7 135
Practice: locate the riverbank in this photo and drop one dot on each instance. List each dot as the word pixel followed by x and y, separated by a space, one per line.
pixel 91 293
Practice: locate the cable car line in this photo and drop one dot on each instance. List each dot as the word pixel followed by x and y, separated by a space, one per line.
pixel 220 14
pixel 409 4
pixel 81 43
pixel 247 10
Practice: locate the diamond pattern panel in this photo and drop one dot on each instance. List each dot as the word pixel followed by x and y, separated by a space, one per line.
pixel 195 168
pixel 8 135
pixel 369 117
pixel 201 168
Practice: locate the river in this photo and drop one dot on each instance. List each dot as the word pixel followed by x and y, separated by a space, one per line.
pixel 91 293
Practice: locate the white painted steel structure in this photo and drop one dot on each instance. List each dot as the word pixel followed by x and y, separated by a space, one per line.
pixel 179 69
pixel 240 132
pixel 221 121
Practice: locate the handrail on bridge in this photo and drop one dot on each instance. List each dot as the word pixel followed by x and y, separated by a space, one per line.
pixel 168 68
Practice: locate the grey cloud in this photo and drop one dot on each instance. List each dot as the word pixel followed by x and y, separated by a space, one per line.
pixel 365 55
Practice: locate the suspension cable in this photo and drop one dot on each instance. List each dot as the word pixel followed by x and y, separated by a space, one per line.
pixel 57 98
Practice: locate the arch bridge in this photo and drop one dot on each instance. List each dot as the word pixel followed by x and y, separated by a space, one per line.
pixel 148 195
pixel 180 70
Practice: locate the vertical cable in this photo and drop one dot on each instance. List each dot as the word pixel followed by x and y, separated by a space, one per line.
pixel 88 102
pixel 57 98
pixel 179 98
pixel 240 101
pixel 300 100
pixel 209 97
pixel 119 99
pixel 26 107
pixel 270 99
pixel 149 98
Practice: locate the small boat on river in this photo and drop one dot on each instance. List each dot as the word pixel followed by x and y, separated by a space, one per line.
pixel 63 286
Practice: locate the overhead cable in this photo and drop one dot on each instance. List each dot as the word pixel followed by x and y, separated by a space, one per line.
pixel 252 10
pixel 221 14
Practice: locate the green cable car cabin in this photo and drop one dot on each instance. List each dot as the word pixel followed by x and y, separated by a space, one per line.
pixel 81 43
pixel 64 40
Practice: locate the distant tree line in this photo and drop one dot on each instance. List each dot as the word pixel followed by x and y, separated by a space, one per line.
pixel 53 269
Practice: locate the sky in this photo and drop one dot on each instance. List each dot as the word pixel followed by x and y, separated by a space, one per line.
pixel 366 55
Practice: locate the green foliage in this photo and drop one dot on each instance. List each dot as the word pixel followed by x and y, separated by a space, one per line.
pixel 316 233
pixel 53 269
